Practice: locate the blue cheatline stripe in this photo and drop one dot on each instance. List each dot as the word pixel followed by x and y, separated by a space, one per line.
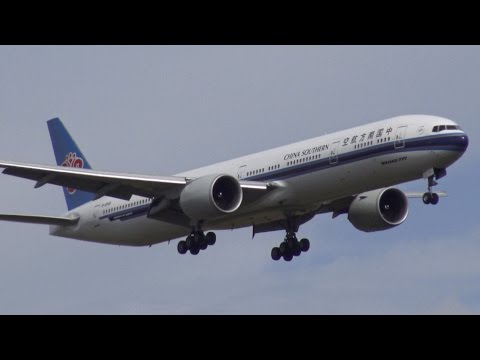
pixel 127 214
pixel 447 142
pixel 435 142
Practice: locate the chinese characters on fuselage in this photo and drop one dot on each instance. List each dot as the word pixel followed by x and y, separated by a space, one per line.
pixel 363 137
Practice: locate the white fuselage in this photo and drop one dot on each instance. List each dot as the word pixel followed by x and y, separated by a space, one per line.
pixel 308 174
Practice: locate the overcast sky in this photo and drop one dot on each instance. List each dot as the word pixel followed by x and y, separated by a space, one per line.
pixel 163 110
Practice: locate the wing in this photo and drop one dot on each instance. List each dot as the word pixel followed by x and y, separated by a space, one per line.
pixel 121 186
pixel 419 194
pixel 117 185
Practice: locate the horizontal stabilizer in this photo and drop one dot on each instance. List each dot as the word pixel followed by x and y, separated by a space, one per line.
pixel 44 220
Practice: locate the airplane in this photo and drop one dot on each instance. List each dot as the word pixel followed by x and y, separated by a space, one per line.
pixel 349 172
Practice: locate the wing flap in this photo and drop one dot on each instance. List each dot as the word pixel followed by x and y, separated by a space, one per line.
pixel 254 185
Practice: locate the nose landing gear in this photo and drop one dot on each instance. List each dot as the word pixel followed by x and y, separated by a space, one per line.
pixel 432 174
pixel 431 197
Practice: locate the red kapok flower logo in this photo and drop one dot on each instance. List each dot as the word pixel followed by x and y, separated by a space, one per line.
pixel 72 160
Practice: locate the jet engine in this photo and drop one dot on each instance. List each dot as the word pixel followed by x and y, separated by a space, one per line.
pixel 211 196
pixel 378 210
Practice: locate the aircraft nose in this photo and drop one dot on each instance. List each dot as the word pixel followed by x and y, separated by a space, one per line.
pixel 462 142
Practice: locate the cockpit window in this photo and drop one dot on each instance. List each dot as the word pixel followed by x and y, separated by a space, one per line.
pixel 439 128
pixel 453 127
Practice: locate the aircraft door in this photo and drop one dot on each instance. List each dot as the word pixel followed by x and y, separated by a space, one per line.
pixel 242 171
pixel 97 212
pixel 334 153
pixel 400 137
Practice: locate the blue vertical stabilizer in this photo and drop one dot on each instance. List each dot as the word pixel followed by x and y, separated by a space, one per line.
pixel 68 154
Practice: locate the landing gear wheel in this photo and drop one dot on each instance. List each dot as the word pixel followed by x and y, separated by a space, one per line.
pixel 427 198
pixel 199 237
pixel 276 254
pixel 190 242
pixel 182 247
pixel 288 256
pixel 296 251
pixel 211 238
pixel 290 246
pixel 292 242
pixel 430 197
pixel 304 245
pixel 203 245
pixel 195 250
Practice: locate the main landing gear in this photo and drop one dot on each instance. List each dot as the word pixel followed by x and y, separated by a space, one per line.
pixel 195 242
pixel 290 247
pixel 431 197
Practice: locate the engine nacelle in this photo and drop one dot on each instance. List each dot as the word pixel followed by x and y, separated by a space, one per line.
pixel 211 196
pixel 378 210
